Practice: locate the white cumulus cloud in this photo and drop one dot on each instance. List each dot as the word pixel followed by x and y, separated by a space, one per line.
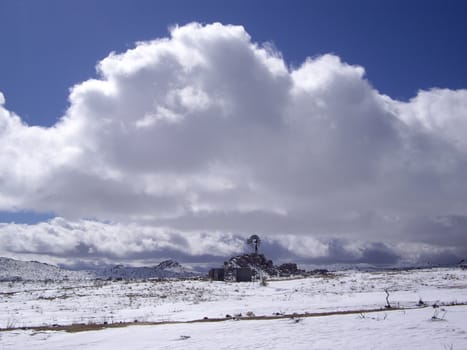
pixel 208 131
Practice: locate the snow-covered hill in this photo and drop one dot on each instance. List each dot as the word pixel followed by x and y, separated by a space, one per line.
pixel 166 269
pixel 15 270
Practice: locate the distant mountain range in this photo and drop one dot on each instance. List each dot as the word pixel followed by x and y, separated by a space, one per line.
pixel 15 270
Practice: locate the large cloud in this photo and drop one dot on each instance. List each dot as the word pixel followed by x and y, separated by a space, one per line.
pixel 207 131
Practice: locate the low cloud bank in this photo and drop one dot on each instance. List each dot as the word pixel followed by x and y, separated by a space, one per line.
pixel 87 243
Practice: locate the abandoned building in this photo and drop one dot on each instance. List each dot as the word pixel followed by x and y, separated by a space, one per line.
pixel 217 274
pixel 239 274
pixel 243 274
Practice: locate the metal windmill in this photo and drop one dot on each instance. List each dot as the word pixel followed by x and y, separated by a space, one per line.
pixel 254 241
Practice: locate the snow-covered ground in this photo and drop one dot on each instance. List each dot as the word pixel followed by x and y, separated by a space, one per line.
pixel 385 330
pixel 27 304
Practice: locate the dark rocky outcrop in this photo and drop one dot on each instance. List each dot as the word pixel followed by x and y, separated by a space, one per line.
pixel 259 264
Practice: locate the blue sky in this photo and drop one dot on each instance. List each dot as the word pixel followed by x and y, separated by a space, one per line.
pixel 50 45
pixel 132 131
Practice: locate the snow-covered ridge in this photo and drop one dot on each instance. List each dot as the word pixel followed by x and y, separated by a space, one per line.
pixel 166 269
pixel 15 270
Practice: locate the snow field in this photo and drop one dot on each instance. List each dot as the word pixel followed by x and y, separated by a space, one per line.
pixel 408 329
pixel 26 304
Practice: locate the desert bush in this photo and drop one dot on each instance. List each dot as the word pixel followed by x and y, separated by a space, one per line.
pixel 10 323
pixel 388 305
pixel 436 313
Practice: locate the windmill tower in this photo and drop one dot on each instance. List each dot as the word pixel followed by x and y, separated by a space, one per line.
pixel 254 241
